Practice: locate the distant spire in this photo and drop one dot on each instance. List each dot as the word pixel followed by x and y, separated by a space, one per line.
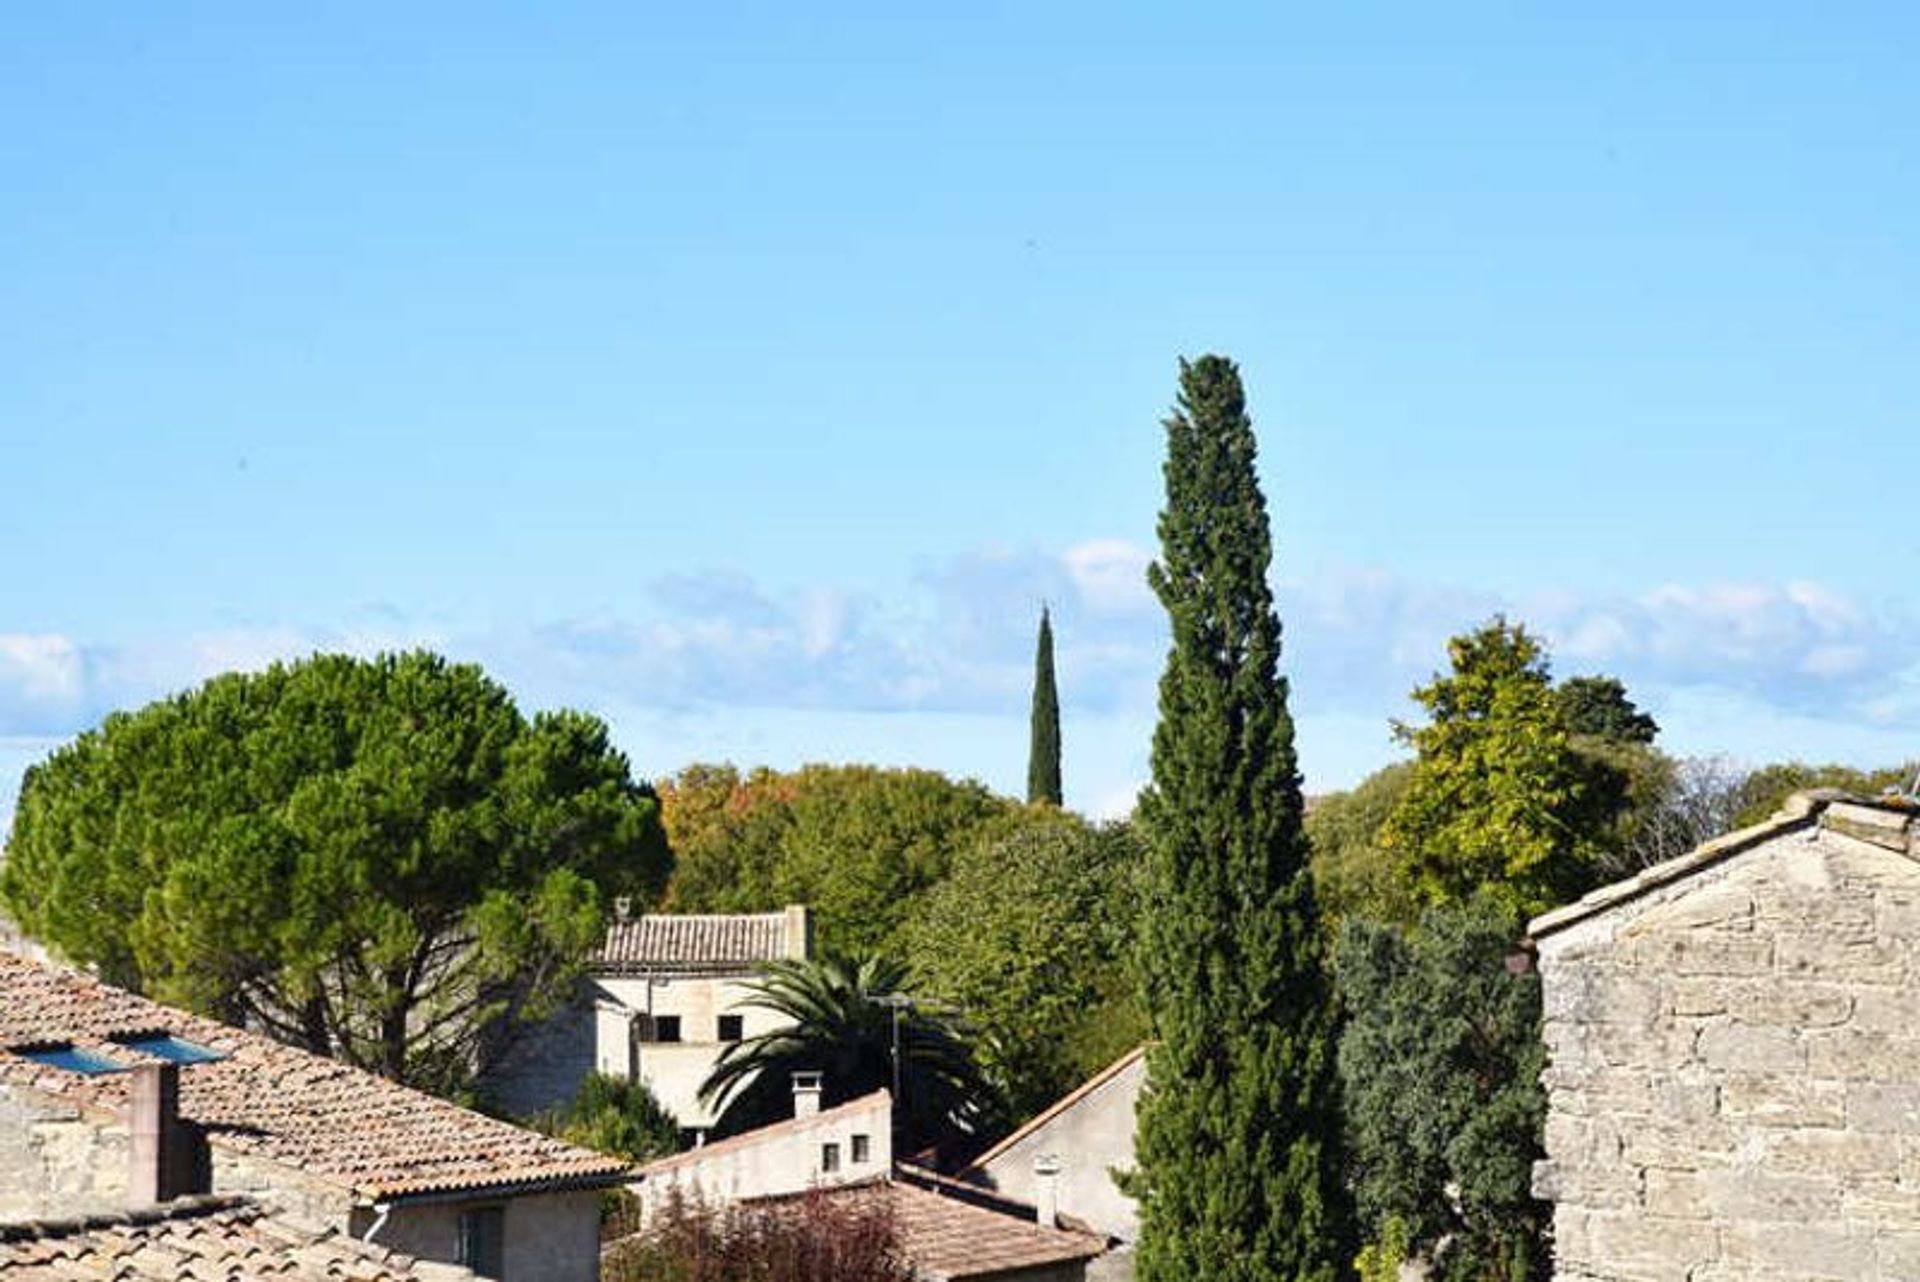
pixel 1043 752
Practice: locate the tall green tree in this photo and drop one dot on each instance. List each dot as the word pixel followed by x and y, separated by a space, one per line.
pixel 1500 796
pixel 861 844
pixel 1043 750
pixel 1440 1062
pixel 1237 1143
pixel 1029 937
pixel 376 859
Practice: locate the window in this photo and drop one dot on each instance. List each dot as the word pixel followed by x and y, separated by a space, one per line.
pixel 829 1157
pixel 732 1027
pixel 483 1234
pixel 862 1149
pixel 167 1046
pixel 65 1055
pixel 666 1028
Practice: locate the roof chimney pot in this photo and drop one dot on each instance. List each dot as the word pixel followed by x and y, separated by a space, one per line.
pixel 806 1094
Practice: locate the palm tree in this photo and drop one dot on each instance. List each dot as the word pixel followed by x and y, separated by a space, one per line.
pixel 839 1026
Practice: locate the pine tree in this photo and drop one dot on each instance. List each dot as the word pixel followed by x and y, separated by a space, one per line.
pixel 1043 753
pixel 1237 1148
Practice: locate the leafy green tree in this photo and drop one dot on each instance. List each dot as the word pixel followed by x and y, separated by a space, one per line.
pixel 860 844
pixel 1599 706
pixel 1029 937
pixel 1352 874
pixel 376 859
pixel 1764 790
pixel 1237 1143
pixel 834 1024
pixel 1440 1063
pixel 615 1115
pixel 1500 795
pixel 1043 751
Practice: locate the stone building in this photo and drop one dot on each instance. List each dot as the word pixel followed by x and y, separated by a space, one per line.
pixel 109 1101
pixel 1734 1057
pixel 666 994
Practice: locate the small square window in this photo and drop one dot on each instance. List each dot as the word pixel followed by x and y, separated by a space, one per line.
pixel 862 1149
pixel 666 1028
pixel 829 1157
pixel 732 1028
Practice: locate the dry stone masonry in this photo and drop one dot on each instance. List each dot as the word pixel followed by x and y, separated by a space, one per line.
pixel 1734 1057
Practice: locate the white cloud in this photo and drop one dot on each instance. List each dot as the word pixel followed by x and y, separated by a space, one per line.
pixel 945 668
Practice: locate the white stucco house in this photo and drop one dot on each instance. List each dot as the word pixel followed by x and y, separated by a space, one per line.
pixel 949 1231
pixel 666 994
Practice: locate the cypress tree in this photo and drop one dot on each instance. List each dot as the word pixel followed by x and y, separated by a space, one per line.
pixel 1043 751
pixel 1238 1175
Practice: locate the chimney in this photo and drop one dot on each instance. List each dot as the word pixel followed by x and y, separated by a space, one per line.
pixel 1046 1191
pixel 622 907
pixel 163 1156
pixel 806 1094
pixel 799 932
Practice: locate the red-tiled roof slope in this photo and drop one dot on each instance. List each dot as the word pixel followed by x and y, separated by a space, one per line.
pixel 339 1123
pixel 695 942
pixel 210 1239
pixel 761 1134
pixel 947 1239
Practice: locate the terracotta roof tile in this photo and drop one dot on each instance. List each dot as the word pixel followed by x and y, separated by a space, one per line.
pixel 949 1240
pixel 691 941
pixel 213 1238
pixel 336 1122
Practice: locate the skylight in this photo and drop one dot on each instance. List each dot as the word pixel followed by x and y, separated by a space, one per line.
pixel 73 1059
pixel 168 1047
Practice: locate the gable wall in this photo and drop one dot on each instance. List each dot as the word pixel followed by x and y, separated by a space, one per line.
pixel 1092 1138
pixel 1734 1072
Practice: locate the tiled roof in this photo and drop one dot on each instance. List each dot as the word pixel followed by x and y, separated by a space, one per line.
pixel 947 1239
pixel 761 1134
pixel 1890 821
pixel 1061 1105
pixel 338 1123
pixel 695 942
pixel 203 1239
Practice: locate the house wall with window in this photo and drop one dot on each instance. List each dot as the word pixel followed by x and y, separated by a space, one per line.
pixel 549 1237
pixel 849 1143
pixel 670 1030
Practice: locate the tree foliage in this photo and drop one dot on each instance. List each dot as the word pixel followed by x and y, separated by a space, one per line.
pixel 615 1115
pixel 1043 748
pixel 1764 790
pixel 819 1236
pixel 1598 706
pixel 832 1023
pixel 1440 1063
pixel 1238 1173
pixel 377 859
pixel 1352 873
pixel 1029 937
pixel 859 844
pixel 1500 795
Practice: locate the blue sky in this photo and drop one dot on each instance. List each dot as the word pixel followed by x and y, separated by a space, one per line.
pixel 749 374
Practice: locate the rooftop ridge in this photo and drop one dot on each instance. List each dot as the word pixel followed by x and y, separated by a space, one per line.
pixel 746 1139
pixel 198 1206
pixel 1850 814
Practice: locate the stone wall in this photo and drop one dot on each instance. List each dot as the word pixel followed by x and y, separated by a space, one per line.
pixel 1734 1076
pixel 56 1162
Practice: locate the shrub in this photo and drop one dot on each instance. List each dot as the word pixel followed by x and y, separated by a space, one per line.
pixel 849 1236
